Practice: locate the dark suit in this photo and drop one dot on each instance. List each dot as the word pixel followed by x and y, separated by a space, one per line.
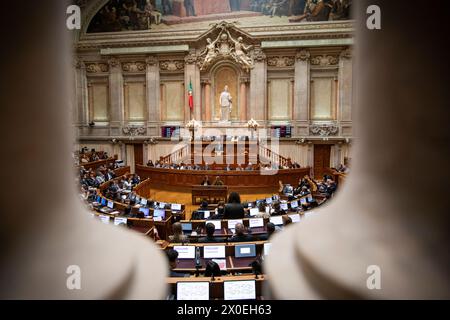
pixel 233 211
pixel 241 238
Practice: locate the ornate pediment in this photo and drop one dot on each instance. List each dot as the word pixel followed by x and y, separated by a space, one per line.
pixel 225 41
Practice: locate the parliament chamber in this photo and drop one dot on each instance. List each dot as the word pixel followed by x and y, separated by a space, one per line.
pixel 217 137
pixel 223 150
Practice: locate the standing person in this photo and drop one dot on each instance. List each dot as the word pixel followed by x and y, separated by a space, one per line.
pixel 189 6
pixel 234 209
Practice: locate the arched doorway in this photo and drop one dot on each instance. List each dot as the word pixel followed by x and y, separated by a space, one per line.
pixel 225 75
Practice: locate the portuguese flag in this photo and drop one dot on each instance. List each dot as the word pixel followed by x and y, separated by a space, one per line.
pixel 190 95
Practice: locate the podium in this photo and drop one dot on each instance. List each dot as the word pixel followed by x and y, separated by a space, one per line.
pixel 212 194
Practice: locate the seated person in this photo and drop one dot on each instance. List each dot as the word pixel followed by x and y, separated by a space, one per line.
pixel 205 181
pixel 210 228
pixel 204 205
pixel 212 269
pixel 240 235
pixel 173 258
pixel 178 236
pixel 150 163
pixel 277 209
pixel 234 209
pixel 270 230
pixel 218 182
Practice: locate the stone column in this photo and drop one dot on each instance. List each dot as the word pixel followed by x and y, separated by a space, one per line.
pixel 243 99
pixel 80 107
pixel 258 87
pixel 192 74
pixel 153 90
pixel 345 79
pixel 301 92
pixel 207 101
pixel 116 101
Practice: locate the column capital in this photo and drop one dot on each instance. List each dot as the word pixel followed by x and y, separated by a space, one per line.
pixel 303 55
pixel 346 54
pixel 244 80
pixel 151 61
pixel 191 57
pixel 114 62
pixel 259 55
pixel 79 64
pixel 205 82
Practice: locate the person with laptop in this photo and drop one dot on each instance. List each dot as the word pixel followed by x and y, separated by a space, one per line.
pixel 234 209
pixel 178 235
pixel 240 235
pixel 210 228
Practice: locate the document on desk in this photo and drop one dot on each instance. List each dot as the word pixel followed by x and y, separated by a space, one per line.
pixel 222 263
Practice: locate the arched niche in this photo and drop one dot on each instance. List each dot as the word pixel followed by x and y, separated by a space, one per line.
pixel 225 73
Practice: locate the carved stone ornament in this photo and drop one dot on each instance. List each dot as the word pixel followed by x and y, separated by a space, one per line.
pixel 96 67
pixel 346 54
pixel 258 55
pixel 171 65
pixel 134 130
pixel 224 46
pixel 280 61
pixel 114 62
pixel 191 58
pixel 134 66
pixel 324 60
pixel 323 129
pixel 79 64
pixel 151 61
pixel 303 55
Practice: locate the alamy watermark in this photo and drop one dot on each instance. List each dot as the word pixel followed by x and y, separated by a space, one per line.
pixel 73 281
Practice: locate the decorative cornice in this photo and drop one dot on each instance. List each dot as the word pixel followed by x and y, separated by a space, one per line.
pixel 97 67
pixel 171 65
pixel 303 55
pixel 324 60
pixel 280 61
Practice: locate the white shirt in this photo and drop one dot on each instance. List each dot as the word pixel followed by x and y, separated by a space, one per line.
pixel 225 99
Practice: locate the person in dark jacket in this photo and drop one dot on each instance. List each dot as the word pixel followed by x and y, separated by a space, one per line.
pixel 240 235
pixel 210 228
pixel 234 209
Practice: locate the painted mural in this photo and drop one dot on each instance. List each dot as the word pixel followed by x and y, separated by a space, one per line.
pixel 129 15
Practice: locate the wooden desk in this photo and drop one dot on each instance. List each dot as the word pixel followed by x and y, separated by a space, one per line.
pixel 233 264
pixel 234 180
pixel 213 194
pixel 216 285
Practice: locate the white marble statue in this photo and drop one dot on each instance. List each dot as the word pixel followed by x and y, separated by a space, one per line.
pixel 225 105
